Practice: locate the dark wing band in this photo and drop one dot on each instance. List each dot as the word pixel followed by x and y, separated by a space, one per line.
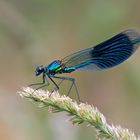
pixel 107 54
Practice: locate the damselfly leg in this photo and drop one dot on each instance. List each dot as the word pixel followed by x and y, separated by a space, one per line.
pixel 46 83
pixel 72 80
pixel 43 83
pixel 55 88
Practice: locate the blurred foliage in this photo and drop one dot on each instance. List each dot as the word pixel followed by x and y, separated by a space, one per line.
pixel 36 32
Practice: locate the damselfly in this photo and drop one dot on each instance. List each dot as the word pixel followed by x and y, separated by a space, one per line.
pixel 104 55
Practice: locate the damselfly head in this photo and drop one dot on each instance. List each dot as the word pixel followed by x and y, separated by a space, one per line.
pixel 39 70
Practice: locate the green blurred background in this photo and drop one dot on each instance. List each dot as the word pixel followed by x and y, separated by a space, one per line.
pixel 34 32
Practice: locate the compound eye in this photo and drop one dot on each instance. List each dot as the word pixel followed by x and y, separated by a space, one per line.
pixel 39 70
